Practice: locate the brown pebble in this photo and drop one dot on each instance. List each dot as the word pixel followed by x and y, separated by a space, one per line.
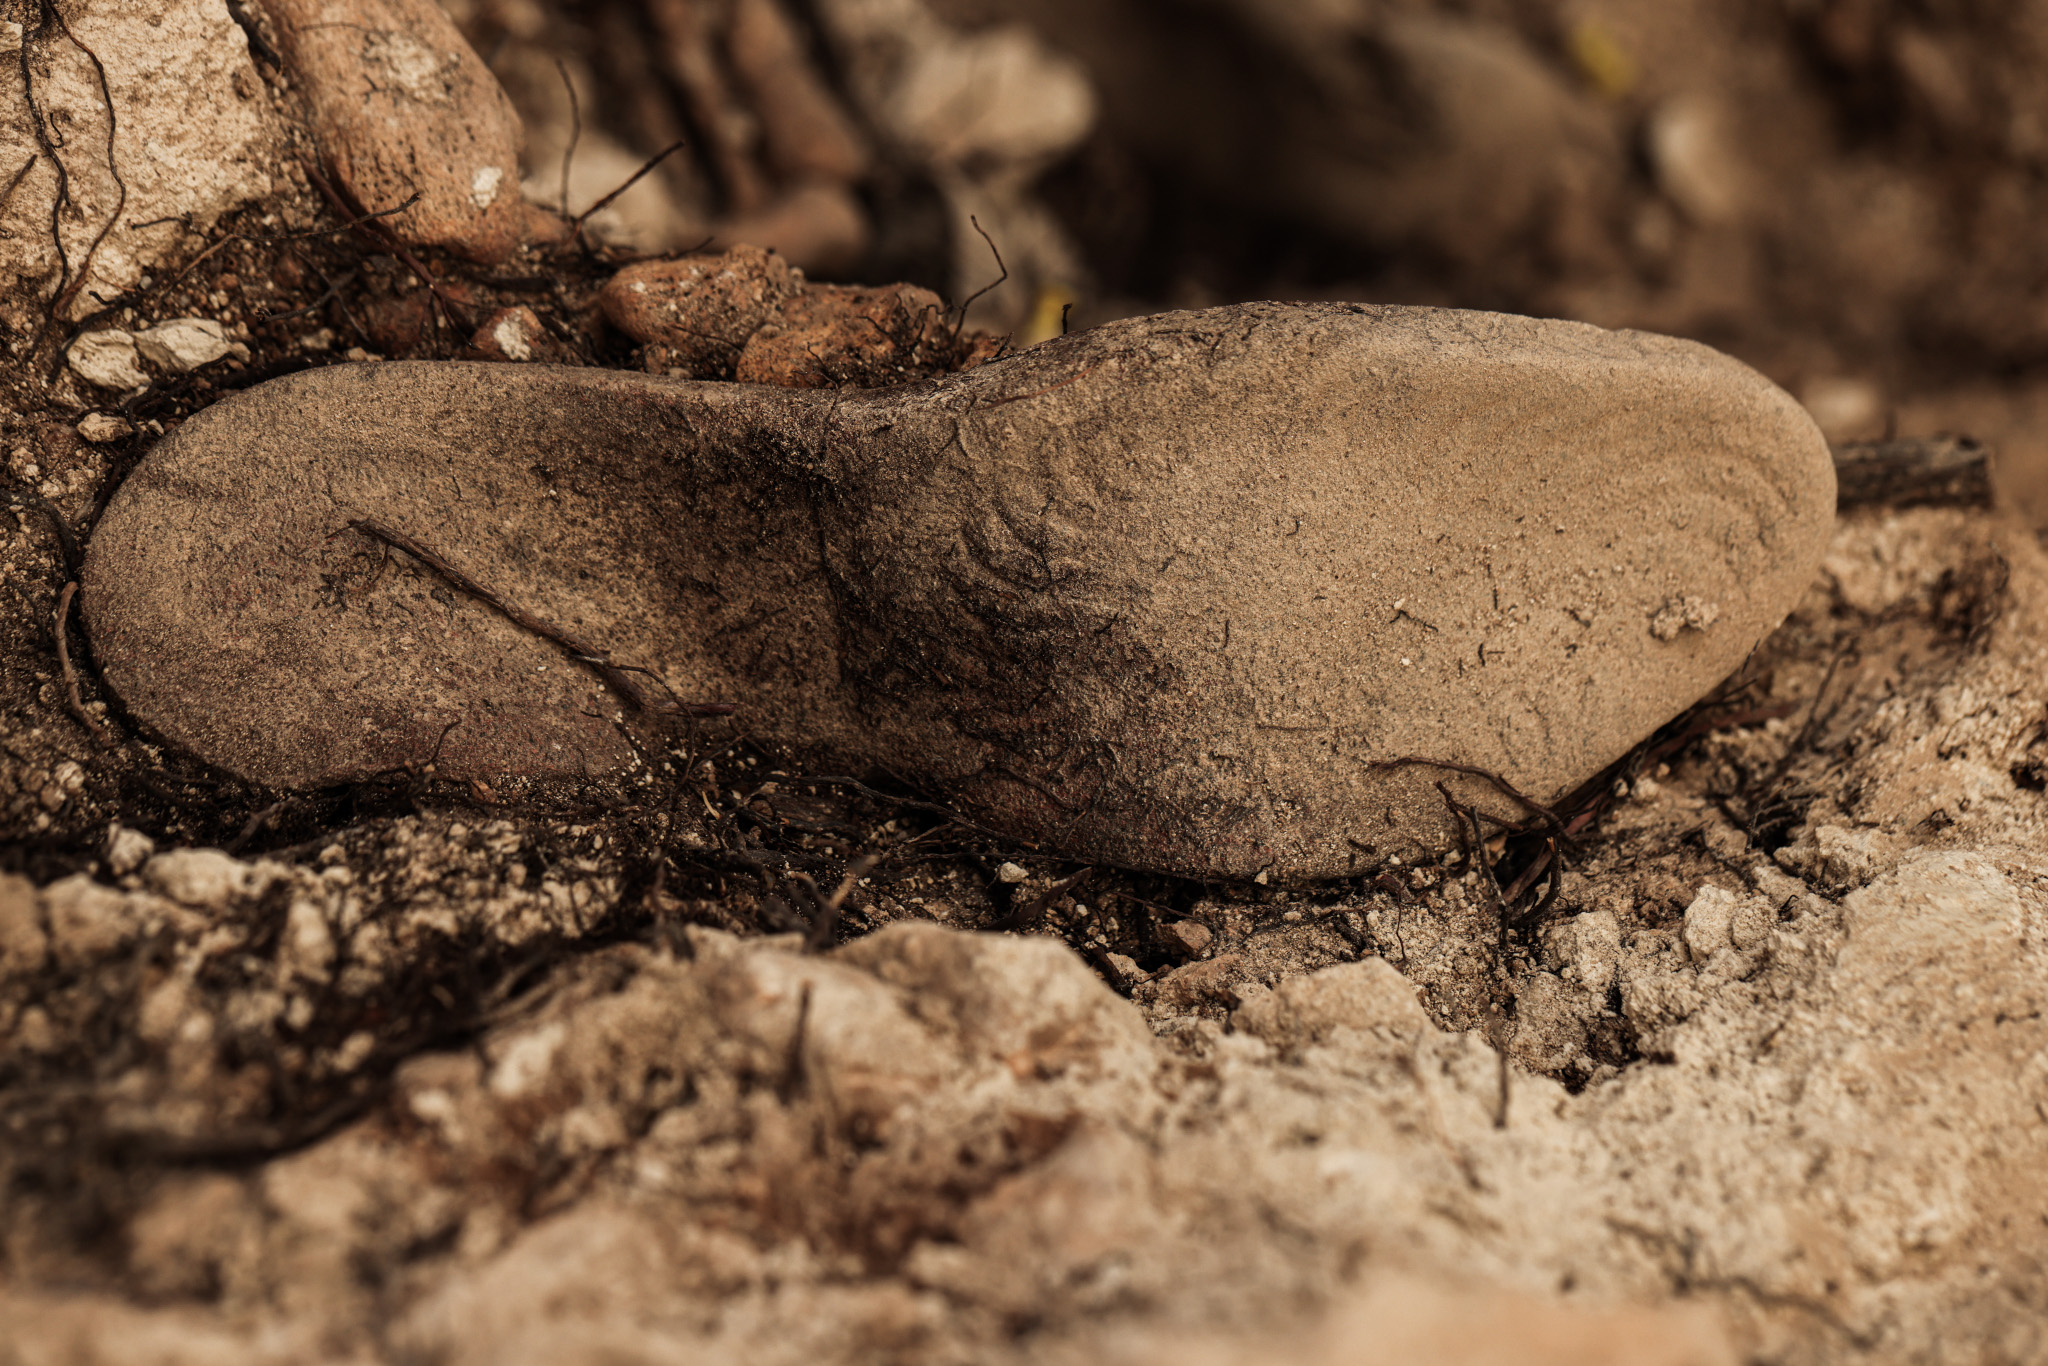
pixel 704 308
pixel 513 334
pixel 1197 983
pixel 399 104
pixel 745 314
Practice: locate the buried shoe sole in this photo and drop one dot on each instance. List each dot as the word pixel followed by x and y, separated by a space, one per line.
pixel 1170 593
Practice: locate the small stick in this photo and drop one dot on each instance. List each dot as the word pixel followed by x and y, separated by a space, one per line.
pixel 575 130
pixel 1500 784
pixel 1535 870
pixel 663 155
pixel 73 703
pixel 254 825
pixel 993 284
pixel 828 907
pixel 382 237
pixel 333 288
pixel 613 674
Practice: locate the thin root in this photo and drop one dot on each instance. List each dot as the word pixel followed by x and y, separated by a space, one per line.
pixel 73 702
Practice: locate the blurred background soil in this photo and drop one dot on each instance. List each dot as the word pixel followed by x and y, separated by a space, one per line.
pixel 1846 193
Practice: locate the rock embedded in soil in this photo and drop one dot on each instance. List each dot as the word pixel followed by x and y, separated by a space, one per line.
pixel 400 105
pixel 513 334
pixel 100 428
pixel 746 314
pixel 703 308
pixel 108 359
pixel 184 344
pixel 1170 593
pixel 157 124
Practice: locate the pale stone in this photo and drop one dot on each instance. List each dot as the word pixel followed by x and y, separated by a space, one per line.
pixel 107 358
pixel 1707 922
pixel 100 428
pixel 197 877
pixel 196 133
pixel 184 344
pixel 127 850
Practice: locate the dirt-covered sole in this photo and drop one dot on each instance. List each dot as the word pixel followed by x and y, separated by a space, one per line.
pixel 1172 592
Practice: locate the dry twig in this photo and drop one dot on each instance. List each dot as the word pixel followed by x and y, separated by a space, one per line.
pixel 73 702
pixel 615 675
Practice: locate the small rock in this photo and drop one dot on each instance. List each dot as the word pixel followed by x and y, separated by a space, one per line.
pixel 1654 999
pixel 1751 925
pixel 1010 872
pixel 107 359
pixel 67 781
pixel 1551 1018
pixel 1838 855
pixel 510 334
pixel 745 314
pixel 1849 857
pixel 23 944
pixel 1191 936
pixel 401 106
pixel 87 921
pixel 1369 997
pixel 197 877
pixel 1843 407
pixel 169 1010
pixel 1125 967
pixel 126 850
pixel 1707 922
pixel 306 948
pixel 1720 920
pixel 703 308
pixel 1686 613
pixel 525 1063
pixel 184 344
pixel 1697 159
pixel 1195 983
pixel 34 1032
pixel 842 334
pixel 1587 949
pixel 100 428
pixel 1724 839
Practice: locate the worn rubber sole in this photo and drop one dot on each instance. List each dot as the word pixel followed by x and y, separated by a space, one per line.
pixel 1171 593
